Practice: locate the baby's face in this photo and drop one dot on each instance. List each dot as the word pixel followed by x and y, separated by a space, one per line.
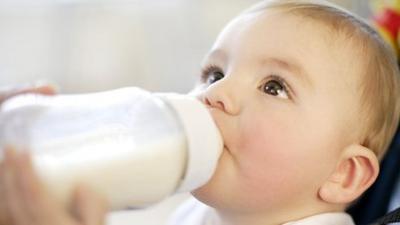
pixel 284 96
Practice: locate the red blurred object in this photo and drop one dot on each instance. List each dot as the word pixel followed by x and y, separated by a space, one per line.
pixel 387 22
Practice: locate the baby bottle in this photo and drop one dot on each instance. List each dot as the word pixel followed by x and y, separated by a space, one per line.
pixel 132 146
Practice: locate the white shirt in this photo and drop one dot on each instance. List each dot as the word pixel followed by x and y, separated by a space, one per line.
pixel 193 212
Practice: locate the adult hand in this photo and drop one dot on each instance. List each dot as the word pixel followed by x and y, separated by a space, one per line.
pixel 8 92
pixel 24 200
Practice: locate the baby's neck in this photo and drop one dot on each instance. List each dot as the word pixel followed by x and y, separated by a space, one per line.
pixel 270 218
pixel 248 219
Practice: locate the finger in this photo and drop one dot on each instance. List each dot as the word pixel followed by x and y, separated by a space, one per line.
pixel 89 207
pixel 13 201
pixel 45 90
pixel 40 88
pixel 4 215
pixel 40 206
pixel 29 190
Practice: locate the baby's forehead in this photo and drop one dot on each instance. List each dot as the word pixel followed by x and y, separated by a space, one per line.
pixel 320 31
pixel 343 39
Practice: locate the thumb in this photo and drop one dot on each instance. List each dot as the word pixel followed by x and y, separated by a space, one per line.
pixel 45 89
pixel 88 207
pixel 38 88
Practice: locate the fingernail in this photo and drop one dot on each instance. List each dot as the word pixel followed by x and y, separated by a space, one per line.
pixel 46 84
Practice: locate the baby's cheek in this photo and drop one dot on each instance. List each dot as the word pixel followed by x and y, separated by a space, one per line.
pixel 267 158
pixel 266 152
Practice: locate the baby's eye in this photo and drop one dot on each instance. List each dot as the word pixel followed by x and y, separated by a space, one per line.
pixel 211 75
pixel 276 88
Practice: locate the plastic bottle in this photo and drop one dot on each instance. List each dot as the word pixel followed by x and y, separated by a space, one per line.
pixel 133 147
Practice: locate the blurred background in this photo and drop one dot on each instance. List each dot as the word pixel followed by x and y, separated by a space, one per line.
pixel 94 45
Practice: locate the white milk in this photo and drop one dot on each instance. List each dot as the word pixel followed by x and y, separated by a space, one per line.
pixel 152 174
pixel 131 146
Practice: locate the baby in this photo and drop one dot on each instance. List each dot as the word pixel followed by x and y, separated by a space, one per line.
pixel 306 97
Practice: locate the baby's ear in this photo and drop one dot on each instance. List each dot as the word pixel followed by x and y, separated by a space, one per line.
pixel 355 172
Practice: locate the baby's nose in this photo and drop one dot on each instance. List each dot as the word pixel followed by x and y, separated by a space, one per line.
pixel 215 104
pixel 218 96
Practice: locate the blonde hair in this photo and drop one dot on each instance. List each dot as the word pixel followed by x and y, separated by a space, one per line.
pixel 380 108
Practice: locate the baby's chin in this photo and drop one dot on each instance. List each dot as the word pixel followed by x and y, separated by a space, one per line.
pixel 205 195
pixel 207 192
pixel 212 193
pixel 222 185
pixel 202 193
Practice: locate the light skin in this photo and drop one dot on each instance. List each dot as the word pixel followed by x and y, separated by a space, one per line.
pixel 44 89
pixel 24 200
pixel 290 152
pixel 284 96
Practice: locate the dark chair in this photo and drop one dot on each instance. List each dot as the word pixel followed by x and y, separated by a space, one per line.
pixel 375 202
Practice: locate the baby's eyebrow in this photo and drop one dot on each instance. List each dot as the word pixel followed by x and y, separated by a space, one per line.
pixel 288 65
